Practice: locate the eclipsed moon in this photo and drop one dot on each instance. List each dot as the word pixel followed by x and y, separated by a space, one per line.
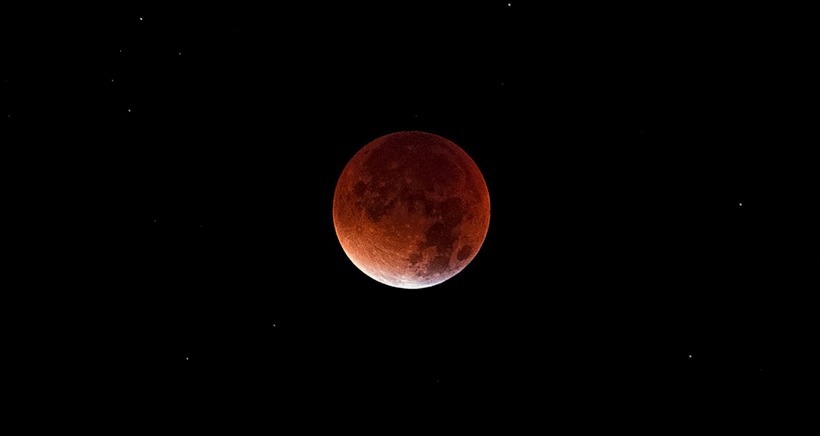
pixel 411 209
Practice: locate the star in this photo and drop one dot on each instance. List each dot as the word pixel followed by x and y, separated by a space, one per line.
pixel 509 5
pixel 179 53
pixel 274 324
pixel 690 356
pixel 187 358
pixel 140 18
pixel 129 111
pixel 740 204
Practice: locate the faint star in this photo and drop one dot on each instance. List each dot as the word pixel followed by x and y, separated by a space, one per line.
pixel 155 220
pixel 179 53
pixel 129 111
pixel 690 356
pixel 274 324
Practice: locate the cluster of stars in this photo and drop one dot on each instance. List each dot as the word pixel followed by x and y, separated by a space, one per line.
pixel 112 80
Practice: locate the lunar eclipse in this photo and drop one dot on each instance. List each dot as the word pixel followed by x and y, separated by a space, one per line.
pixel 411 209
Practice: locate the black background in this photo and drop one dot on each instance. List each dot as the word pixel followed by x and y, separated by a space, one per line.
pixel 652 245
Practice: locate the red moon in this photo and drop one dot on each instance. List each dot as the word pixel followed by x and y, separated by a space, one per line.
pixel 411 209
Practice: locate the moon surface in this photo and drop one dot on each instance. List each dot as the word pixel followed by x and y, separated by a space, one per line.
pixel 411 209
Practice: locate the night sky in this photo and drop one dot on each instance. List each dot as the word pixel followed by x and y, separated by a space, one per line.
pixel 652 245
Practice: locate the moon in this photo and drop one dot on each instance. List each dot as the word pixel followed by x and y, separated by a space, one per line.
pixel 411 209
